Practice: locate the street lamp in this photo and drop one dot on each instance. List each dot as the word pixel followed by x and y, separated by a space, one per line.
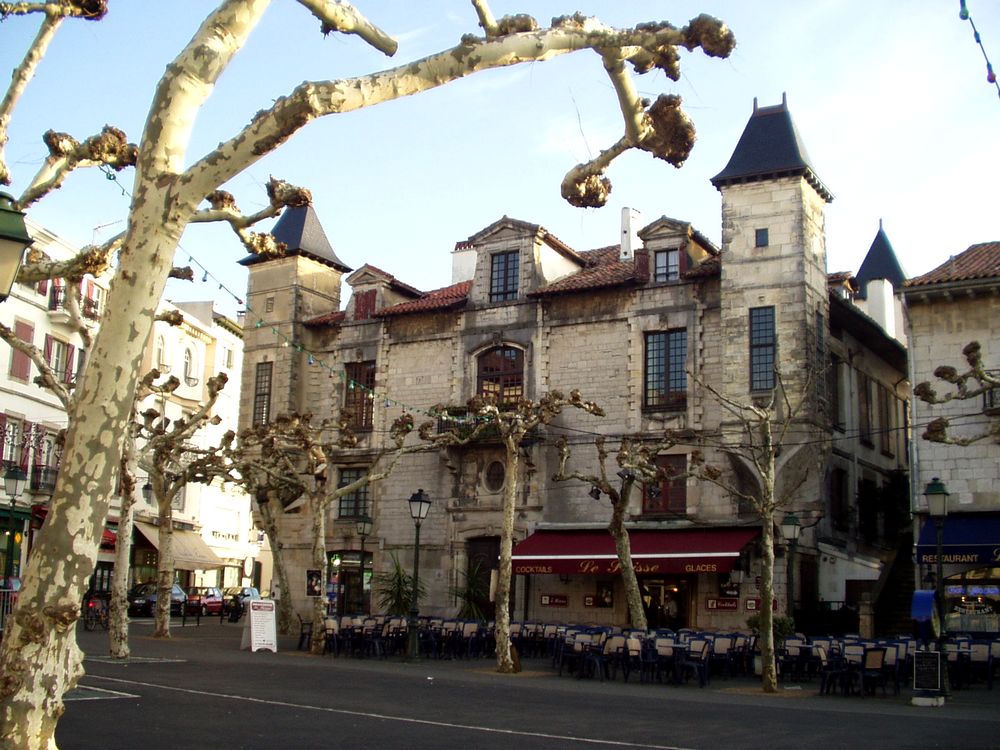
pixel 147 492
pixel 13 483
pixel 937 508
pixel 14 238
pixel 364 527
pixel 790 530
pixel 420 503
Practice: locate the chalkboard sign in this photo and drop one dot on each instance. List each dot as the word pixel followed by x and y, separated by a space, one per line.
pixel 927 670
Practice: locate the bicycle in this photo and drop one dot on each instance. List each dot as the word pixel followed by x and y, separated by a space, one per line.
pixel 96 615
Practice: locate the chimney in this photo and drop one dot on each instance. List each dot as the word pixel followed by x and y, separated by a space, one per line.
pixel 631 221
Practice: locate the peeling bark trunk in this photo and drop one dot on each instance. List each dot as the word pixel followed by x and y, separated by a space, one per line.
pixel 769 670
pixel 164 569
pixel 623 546
pixel 270 511
pixel 118 615
pixel 505 663
pixel 317 507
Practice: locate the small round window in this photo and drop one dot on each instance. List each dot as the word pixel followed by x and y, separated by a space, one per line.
pixel 495 474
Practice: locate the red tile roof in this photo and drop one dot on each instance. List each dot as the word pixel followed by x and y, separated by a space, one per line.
pixel 980 261
pixel 603 270
pixel 327 319
pixel 447 298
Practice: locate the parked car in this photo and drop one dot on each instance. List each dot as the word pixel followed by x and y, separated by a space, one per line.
pixel 238 596
pixel 204 599
pixel 142 600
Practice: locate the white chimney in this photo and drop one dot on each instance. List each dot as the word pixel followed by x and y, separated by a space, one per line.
pixel 631 222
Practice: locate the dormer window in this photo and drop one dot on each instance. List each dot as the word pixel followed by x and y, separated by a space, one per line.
pixel 667 265
pixel 501 374
pixel 504 273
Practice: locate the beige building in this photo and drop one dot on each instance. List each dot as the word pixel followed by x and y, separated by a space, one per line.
pixel 946 309
pixel 524 315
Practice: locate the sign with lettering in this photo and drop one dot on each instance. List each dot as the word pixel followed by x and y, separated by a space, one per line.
pixel 599 566
pixel 753 605
pixel 927 670
pixel 727 603
pixel 554 600
pixel 259 631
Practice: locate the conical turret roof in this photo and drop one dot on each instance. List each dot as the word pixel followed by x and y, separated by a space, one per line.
pixel 300 230
pixel 880 263
pixel 770 147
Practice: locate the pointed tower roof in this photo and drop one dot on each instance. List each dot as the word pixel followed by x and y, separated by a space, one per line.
pixel 299 229
pixel 880 263
pixel 770 147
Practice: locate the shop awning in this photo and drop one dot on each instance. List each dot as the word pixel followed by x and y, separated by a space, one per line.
pixel 968 539
pixel 592 552
pixel 190 550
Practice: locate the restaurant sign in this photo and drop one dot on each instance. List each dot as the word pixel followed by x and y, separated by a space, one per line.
pixel 554 600
pixel 753 605
pixel 725 603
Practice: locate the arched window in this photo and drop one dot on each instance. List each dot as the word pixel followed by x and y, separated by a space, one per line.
pixel 189 371
pixel 501 374
pixel 160 355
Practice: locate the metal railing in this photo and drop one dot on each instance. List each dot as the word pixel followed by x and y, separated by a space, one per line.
pixel 8 599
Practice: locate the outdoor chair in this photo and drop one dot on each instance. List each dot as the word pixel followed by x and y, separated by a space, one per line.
pixel 331 636
pixel 305 633
pixel 721 660
pixel 870 673
pixel 695 662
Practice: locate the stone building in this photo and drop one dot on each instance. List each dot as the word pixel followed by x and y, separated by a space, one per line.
pixel 946 309
pixel 642 328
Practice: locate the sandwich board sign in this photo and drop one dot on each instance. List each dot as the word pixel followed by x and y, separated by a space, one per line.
pixel 259 631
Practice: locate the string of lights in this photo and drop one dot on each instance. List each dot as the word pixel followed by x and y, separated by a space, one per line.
pixel 965 15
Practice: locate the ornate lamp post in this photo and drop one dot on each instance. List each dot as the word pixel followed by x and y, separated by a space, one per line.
pixel 420 503
pixel 13 482
pixel 937 509
pixel 147 492
pixel 14 239
pixel 364 528
pixel 790 530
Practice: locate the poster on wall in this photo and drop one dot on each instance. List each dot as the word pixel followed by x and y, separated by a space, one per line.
pixel 314 583
pixel 605 596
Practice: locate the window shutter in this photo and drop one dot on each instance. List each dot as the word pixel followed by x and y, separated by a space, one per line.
pixel 43 286
pixel 3 437
pixel 69 366
pixel 47 354
pixel 20 363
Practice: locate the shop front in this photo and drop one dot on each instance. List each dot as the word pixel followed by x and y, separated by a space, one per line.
pixel 574 575
pixel 970 559
pixel 348 583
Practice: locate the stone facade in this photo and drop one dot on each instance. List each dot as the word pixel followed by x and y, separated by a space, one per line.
pixel 591 321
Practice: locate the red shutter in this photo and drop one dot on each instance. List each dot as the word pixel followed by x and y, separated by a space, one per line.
pixel 682 259
pixel 3 437
pixel 68 371
pixel 47 353
pixel 43 286
pixel 364 305
pixel 20 363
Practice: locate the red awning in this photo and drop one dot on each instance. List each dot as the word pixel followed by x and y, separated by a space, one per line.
pixel 109 538
pixel 669 551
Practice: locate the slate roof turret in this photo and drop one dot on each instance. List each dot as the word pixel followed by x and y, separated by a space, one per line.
pixel 769 148
pixel 299 229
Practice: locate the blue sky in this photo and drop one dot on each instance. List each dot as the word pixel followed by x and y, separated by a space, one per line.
pixel 890 98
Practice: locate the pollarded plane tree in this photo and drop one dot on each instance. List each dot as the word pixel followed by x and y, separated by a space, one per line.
pixel 169 186
pixel 977 382
pixel 772 446
pixel 171 457
pixel 288 463
pixel 512 423
pixel 636 460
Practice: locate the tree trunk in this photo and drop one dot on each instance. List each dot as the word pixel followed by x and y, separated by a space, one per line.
pixel 41 632
pixel 270 511
pixel 623 546
pixel 317 506
pixel 164 570
pixel 505 662
pixel 768 668
pixel 118 614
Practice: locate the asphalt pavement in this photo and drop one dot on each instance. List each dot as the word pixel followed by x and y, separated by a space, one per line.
pixel 198 689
